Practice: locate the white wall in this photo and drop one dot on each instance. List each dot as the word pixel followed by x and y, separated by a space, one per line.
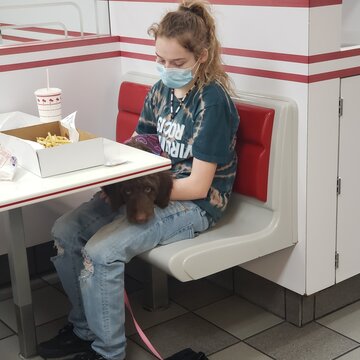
pixel 350 22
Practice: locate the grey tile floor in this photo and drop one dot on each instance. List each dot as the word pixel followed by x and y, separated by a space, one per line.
pixel 203 316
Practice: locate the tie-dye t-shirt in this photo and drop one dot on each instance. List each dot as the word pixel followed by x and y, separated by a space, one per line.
pixel 205 128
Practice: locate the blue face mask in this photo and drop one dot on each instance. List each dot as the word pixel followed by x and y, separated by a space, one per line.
pixel 173 77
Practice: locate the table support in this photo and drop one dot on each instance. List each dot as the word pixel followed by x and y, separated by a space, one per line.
pixel 20 282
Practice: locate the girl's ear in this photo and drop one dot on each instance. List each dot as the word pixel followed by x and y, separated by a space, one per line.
pixel 204 56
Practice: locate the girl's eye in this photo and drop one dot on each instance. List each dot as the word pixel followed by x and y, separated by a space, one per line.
pixel 147 190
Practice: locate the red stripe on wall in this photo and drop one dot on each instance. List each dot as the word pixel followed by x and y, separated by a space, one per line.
pixel 272 3
pixel 302 59
pixel 138 41
pixel 294 77
pixel 138 56
pixel 17 38
pixel 314 3
pixel 55 45
pixel 233 69
pixel 54 31
pixel 335 74
pixel 334 55
pixel 48 31
pixel 146 57
pixel 59 61
pixel 267 74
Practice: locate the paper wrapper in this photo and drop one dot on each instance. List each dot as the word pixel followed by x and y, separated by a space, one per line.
pixel 8 165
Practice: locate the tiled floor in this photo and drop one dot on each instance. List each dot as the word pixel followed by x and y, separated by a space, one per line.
pixel 203 316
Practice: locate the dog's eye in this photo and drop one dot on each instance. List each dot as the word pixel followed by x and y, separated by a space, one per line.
pixel 148 189
pixel 128 192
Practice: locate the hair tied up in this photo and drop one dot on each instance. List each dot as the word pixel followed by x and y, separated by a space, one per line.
pixel 193 10
pixel 185 8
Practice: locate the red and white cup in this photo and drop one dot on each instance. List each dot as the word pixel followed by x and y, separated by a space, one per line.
pixel 49 104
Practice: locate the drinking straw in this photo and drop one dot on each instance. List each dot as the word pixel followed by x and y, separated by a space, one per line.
pixel 47 79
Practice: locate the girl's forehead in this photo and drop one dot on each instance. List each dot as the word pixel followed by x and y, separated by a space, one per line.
pixel 170 49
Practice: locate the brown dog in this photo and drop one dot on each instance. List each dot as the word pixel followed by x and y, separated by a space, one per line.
pixel 140 195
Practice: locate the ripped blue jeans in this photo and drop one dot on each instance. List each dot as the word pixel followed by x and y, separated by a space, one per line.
pixel 93 245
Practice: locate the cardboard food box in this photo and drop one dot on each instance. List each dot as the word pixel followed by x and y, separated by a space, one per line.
pixel 87 152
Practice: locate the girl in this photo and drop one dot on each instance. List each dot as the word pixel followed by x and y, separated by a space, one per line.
pixel 196 121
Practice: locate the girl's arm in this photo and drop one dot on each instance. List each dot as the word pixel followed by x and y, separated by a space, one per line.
pixel 197 185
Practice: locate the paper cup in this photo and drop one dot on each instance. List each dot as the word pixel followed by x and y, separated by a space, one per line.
pixel 49 104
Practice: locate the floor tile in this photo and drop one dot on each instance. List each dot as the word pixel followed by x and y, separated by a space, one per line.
pixel 5 331
pixel 352 355
pixel 48 304
pixel 146 318
pixel 6 292
pixel 195 294
pixel 185 331
pixel 313 341
pixel 9 349
pixel 239 351
pixel 345 321
pixel 238 317
pixel 136 352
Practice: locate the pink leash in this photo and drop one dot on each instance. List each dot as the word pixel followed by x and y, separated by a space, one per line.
pixel 142 335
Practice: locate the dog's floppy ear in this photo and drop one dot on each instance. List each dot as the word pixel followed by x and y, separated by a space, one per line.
pixel 113 192
pixel 166 184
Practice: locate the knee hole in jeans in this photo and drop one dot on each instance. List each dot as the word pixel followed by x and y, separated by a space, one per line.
pixel 88 264
pixel 60 250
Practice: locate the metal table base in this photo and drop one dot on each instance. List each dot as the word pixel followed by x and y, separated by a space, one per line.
pixel 20 282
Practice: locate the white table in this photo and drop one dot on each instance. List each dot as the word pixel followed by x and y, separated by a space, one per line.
pixel 27 188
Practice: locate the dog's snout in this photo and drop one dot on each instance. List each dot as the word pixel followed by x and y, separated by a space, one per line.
pixel 142 217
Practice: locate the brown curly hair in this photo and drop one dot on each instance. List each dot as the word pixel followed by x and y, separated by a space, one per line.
pixel 193 26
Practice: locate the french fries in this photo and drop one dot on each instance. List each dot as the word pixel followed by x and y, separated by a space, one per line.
pixel 52 140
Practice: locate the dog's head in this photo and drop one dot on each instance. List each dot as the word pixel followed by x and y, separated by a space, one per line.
pixel 140 195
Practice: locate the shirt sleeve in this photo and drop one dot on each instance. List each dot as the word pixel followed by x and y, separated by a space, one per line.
pixel 214 133
pixel 147 119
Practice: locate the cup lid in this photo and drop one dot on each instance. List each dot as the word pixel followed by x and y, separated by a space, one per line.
pixel 47 91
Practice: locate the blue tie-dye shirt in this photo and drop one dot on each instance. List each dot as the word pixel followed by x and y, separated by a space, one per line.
pixel 205 128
